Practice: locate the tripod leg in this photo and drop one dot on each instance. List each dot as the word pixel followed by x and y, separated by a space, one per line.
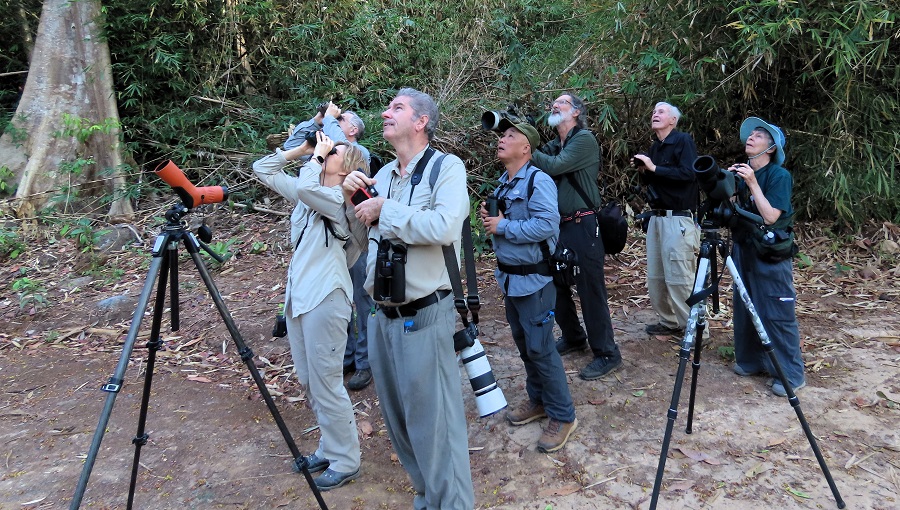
pixel 792 398
pixel 705 264
pixel 114 384
pixel 698 348
pixel 247 356
pixel 140 438
pixel 683 355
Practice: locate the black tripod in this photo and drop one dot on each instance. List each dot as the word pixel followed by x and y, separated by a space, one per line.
pixel 165 261
pixel 707 273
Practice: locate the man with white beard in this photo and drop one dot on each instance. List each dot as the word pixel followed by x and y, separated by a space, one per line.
pixel 573 160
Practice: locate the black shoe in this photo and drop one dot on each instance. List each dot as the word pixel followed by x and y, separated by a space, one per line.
pixel 332 479
pixel 601 366
pixel 360 379
pixel 659 329
pixel 349 369
pixel 313 463
pixel 563 347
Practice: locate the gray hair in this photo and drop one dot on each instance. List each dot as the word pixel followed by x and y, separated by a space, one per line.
pixel 578 104
pixel 422 104
pixel 356 122
pixel 672 109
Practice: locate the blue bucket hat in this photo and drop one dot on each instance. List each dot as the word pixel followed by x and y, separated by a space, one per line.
pixel 774 131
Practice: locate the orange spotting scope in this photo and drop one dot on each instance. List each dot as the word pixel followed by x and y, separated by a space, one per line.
pixel 189 194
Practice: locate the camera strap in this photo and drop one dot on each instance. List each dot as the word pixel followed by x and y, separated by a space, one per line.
pixel 472 303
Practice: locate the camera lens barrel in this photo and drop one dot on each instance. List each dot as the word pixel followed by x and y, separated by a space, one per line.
pixel 490 120
pixel 489 397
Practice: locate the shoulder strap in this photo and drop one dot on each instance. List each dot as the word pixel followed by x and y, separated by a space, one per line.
pixel 545 246
pixel 580 191
pixel 472 303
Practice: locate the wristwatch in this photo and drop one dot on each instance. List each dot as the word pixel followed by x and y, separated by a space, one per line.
pixel 318 158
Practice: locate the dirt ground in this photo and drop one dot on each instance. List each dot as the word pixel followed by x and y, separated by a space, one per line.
pixel 214 444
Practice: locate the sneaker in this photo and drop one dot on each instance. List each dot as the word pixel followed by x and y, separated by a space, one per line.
pixel 555 435
pixel 314 464
pixel 778 388
pixel 527 412
pixel 741 371
pixel 563 347
pixel 360 379
pixel 601 366
pixel 332 479
pixel 659 329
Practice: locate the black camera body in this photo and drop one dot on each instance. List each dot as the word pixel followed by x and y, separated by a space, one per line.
pixel 390 272
pixel 279 330
pixel 563 259
pixel 465 337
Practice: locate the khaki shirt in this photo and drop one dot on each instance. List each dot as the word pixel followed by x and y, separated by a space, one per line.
pixel 425 222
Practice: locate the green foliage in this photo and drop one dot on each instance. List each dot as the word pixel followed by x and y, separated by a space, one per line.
pixel 11 245
pixel 83 232
pixel 222 249
pixel 210 76
pixel 31 293
pixel 7 183
pixel 83 129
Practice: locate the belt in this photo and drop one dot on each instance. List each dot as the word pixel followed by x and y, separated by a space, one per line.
pixel 666 212
pixel 581 213
pixel 410 309
pixel 541 268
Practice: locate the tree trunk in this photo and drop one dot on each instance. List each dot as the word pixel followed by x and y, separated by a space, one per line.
pixel 70 75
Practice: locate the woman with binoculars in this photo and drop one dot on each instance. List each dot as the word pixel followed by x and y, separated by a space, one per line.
pixel 319 292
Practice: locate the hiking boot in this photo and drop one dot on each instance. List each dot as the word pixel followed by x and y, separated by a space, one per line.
pixel 601 366
pixel 360 379
pixel 659 329
pixel 527 412
pixel 314 464
pixel 563 346
pixel 332 479
pixel 778 388
pixel 555 435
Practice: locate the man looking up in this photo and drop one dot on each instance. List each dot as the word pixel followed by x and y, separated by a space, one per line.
pixel 339 126
pixel 673 238
pixel 525 230
pixel 411 339
pixel 573 160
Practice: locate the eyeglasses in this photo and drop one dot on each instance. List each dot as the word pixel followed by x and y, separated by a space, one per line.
pixel 560 102
pixel 332 152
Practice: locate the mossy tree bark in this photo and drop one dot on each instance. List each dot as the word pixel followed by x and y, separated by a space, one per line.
pixel 65 137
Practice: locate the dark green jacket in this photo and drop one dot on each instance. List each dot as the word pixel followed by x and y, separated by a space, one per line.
pixel 579 156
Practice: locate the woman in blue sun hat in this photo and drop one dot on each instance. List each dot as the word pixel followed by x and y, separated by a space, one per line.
pixel 764 188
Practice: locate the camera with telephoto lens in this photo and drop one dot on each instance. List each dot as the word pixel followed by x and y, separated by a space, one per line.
pixel 390 272
pixel 490 120
pixel 489 397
